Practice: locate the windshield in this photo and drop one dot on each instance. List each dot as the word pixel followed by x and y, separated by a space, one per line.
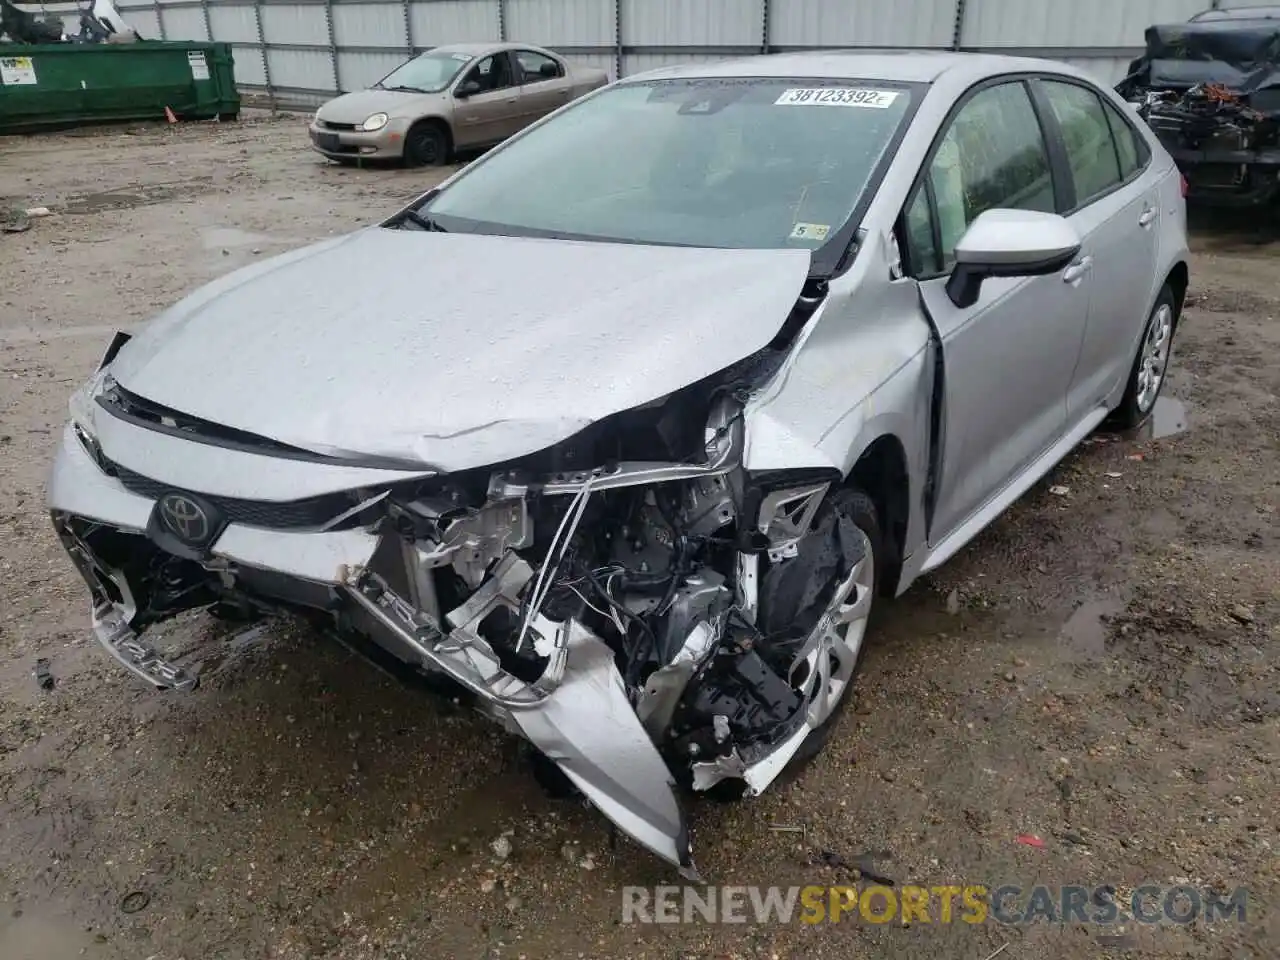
pixel 709 162
pixel 429 73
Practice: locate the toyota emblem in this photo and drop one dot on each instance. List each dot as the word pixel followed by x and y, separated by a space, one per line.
pixel 185 518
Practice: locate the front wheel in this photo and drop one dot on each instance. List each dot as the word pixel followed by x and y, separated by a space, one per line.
pixel 426 145
pixel 827 592
pixel 1151 367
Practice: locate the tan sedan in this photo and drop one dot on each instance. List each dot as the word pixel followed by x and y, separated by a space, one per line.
pixel 455 97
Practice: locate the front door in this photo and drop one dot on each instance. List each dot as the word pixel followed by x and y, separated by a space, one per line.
pixel 1010 357
pixel 491 113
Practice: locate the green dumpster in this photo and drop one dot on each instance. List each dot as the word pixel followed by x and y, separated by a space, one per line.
pixel 66 84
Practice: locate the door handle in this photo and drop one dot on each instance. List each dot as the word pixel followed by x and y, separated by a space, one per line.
pixel 512 100
pixel 1075 273
pixel 1148 217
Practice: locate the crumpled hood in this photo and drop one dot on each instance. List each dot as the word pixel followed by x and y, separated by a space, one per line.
pixel 453 351
pixel 360 105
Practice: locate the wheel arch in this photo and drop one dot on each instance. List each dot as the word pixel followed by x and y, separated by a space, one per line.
pixel 881 472
pixel 1178 280
pixel 433 120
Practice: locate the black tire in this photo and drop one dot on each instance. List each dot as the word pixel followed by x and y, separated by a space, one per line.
pixel 778 608
pixel 1134 408
pixel 427 144
pixel 788 603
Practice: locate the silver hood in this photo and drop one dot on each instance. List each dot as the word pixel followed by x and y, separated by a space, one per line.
pixel 451 351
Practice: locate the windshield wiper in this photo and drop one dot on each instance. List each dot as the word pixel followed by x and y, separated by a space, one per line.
pixel 418 220
pixel 404 89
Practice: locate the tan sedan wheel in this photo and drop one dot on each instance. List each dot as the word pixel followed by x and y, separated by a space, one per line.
pixel 427 145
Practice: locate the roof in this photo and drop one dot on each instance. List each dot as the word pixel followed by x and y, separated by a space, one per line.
pixel 483 46
pixel 1237 13
pixel 905 66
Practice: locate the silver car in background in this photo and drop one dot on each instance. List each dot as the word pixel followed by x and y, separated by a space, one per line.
pixel 630 423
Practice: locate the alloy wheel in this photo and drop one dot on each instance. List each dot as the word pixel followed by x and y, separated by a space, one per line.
pixel 1155 357
pixel 823 670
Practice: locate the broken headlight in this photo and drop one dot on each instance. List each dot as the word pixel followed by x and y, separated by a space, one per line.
pixel 83 401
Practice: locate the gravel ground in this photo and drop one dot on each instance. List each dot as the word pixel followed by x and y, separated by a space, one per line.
pixel 1099 669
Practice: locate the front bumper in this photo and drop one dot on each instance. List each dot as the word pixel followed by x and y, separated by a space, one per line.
pixel 80 492
pixel 325 568
pixel 577 713
pixel 384 144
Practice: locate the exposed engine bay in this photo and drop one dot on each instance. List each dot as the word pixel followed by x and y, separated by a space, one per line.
pixel 630 601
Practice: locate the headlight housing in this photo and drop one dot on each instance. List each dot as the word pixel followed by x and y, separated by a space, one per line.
pixel 375 122
pixel 82 402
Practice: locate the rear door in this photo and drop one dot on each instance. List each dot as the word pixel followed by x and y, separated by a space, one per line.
pixel 1009 358
pixel 493 114
pixel 544 84
pixel 1116 209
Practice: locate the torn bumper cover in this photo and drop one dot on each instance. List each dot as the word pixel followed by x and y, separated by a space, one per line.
pixel 1211 92
pixel 606 608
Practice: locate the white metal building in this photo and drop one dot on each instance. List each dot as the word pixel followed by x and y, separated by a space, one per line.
pixel 303 51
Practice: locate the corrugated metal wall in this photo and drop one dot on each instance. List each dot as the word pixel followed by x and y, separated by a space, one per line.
pixel 303 51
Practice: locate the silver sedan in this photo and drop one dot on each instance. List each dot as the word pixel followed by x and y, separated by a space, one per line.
pixel 630 424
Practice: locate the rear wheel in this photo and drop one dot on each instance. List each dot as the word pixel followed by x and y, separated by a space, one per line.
pixel 1151 366
pixel 427 145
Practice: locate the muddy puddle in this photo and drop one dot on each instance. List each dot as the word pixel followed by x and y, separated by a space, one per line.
pixel 28 935
pixel 1086 629
pixel 1168 419
pixel 126 198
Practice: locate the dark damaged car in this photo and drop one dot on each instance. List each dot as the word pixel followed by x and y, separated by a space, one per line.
pixel 1210 90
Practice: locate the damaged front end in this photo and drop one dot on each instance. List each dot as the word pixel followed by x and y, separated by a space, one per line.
pixel 646 613
pixel 609 610
pixel 1211 94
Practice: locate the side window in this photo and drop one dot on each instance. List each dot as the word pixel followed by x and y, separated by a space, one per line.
pixel 1133 156
pixel 492 73
pixel 993 155
pixel 921 247
pixel 536 66
pixel 1091 150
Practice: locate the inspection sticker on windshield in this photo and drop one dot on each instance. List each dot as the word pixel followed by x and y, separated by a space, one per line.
pixel 836 97
pixel 810 231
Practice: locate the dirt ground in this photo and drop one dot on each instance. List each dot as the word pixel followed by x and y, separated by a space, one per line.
pixel 1099 670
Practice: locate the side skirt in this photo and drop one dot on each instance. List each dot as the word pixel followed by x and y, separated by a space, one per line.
pixel 946 548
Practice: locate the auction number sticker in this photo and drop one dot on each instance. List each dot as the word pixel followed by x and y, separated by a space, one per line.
pixel 17 71
pixel 836 97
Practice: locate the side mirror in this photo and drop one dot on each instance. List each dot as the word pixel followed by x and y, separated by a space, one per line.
pixel 549 70
pixel 467 88
pixel 1010 243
